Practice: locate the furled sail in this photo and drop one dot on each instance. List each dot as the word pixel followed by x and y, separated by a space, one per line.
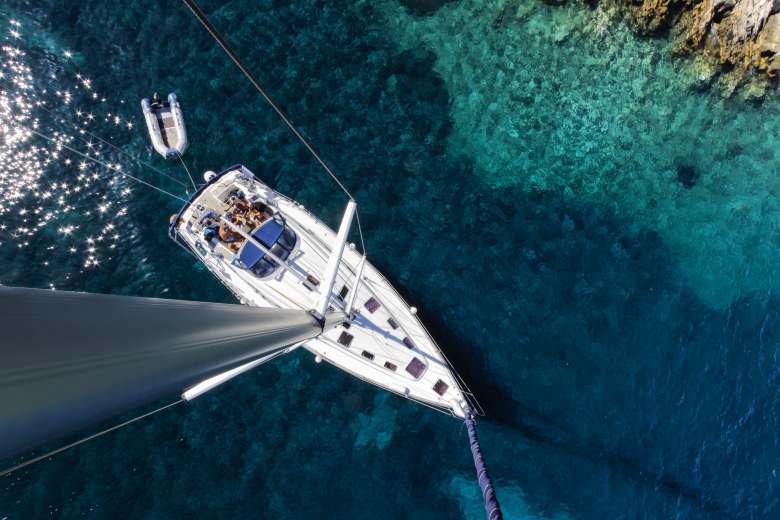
pixel 70 359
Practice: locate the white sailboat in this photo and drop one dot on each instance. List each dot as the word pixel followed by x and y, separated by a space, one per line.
pixel 73 359
pixel 270 251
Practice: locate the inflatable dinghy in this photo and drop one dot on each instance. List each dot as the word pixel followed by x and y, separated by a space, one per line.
pixel 165 123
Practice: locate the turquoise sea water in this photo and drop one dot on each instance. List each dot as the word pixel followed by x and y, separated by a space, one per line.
pixel 588 228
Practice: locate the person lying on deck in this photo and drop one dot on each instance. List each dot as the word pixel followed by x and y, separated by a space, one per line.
pixel 227 235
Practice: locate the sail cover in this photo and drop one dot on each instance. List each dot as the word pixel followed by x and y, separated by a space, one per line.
pixel 69 359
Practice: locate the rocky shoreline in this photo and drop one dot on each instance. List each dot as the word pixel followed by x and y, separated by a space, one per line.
pixel 743 36
pixel 734 43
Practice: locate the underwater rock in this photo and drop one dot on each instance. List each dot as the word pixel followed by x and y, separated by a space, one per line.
pixel 687 175
pixel 424 7
pixel 702 73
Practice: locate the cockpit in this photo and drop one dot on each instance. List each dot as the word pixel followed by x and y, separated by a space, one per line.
pixel 249 230
pixel 277 237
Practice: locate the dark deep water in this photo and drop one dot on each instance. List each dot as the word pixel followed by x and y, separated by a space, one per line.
pixel 621 375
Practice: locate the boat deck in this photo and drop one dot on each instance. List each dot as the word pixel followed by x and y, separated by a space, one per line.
pixel 385 344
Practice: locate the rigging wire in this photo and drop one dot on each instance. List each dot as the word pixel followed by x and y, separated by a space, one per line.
pixel 360 233
pixel 204 20
pixel 98 161
pixel 115 147
pixel 85 439
pixel 200 15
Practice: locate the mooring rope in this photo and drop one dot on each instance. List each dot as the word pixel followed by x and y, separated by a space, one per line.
pixel 85 439
pixel 492 508
pixel 122 151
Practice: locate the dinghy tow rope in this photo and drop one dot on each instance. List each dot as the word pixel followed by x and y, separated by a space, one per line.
pixel 80 131
pixel 181 160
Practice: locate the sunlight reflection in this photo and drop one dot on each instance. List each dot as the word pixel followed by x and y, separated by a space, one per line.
pixel 49 197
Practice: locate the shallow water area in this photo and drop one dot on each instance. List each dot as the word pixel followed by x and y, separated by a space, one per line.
pixel 568 100
pixel 586 228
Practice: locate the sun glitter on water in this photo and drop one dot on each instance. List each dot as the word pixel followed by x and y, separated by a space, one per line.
pixel 49 191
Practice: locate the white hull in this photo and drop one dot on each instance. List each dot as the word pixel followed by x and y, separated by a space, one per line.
pixel 404 360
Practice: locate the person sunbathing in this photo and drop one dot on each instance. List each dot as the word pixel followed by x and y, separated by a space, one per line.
pixel 258 217
pixel 243 206
pixel 227 235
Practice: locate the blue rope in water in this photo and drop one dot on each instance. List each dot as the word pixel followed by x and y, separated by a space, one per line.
pixel 492 508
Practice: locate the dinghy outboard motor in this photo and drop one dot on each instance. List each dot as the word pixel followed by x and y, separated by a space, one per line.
pixel 165 123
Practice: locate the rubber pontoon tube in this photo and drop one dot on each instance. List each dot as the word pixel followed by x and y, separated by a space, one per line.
pixel 155 132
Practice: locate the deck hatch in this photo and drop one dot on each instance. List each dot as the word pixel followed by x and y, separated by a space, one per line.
pixel 409 343
pixel 391 321
pixel 346 338
pixel 391 366
pixel 267 234
pixel 372 305
pixel 366 354
pixel 440 387
pixel 416 368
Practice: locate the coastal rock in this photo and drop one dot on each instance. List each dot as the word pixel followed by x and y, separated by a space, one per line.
pixel 768 47
pixel 739 32
pixel 652 16
pixel 742 35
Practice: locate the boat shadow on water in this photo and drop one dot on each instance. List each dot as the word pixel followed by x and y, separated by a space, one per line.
pixel 640 293
pixel 502 409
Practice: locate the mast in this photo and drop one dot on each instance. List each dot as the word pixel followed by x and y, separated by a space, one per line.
pixel 332 269
pixel 68 360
